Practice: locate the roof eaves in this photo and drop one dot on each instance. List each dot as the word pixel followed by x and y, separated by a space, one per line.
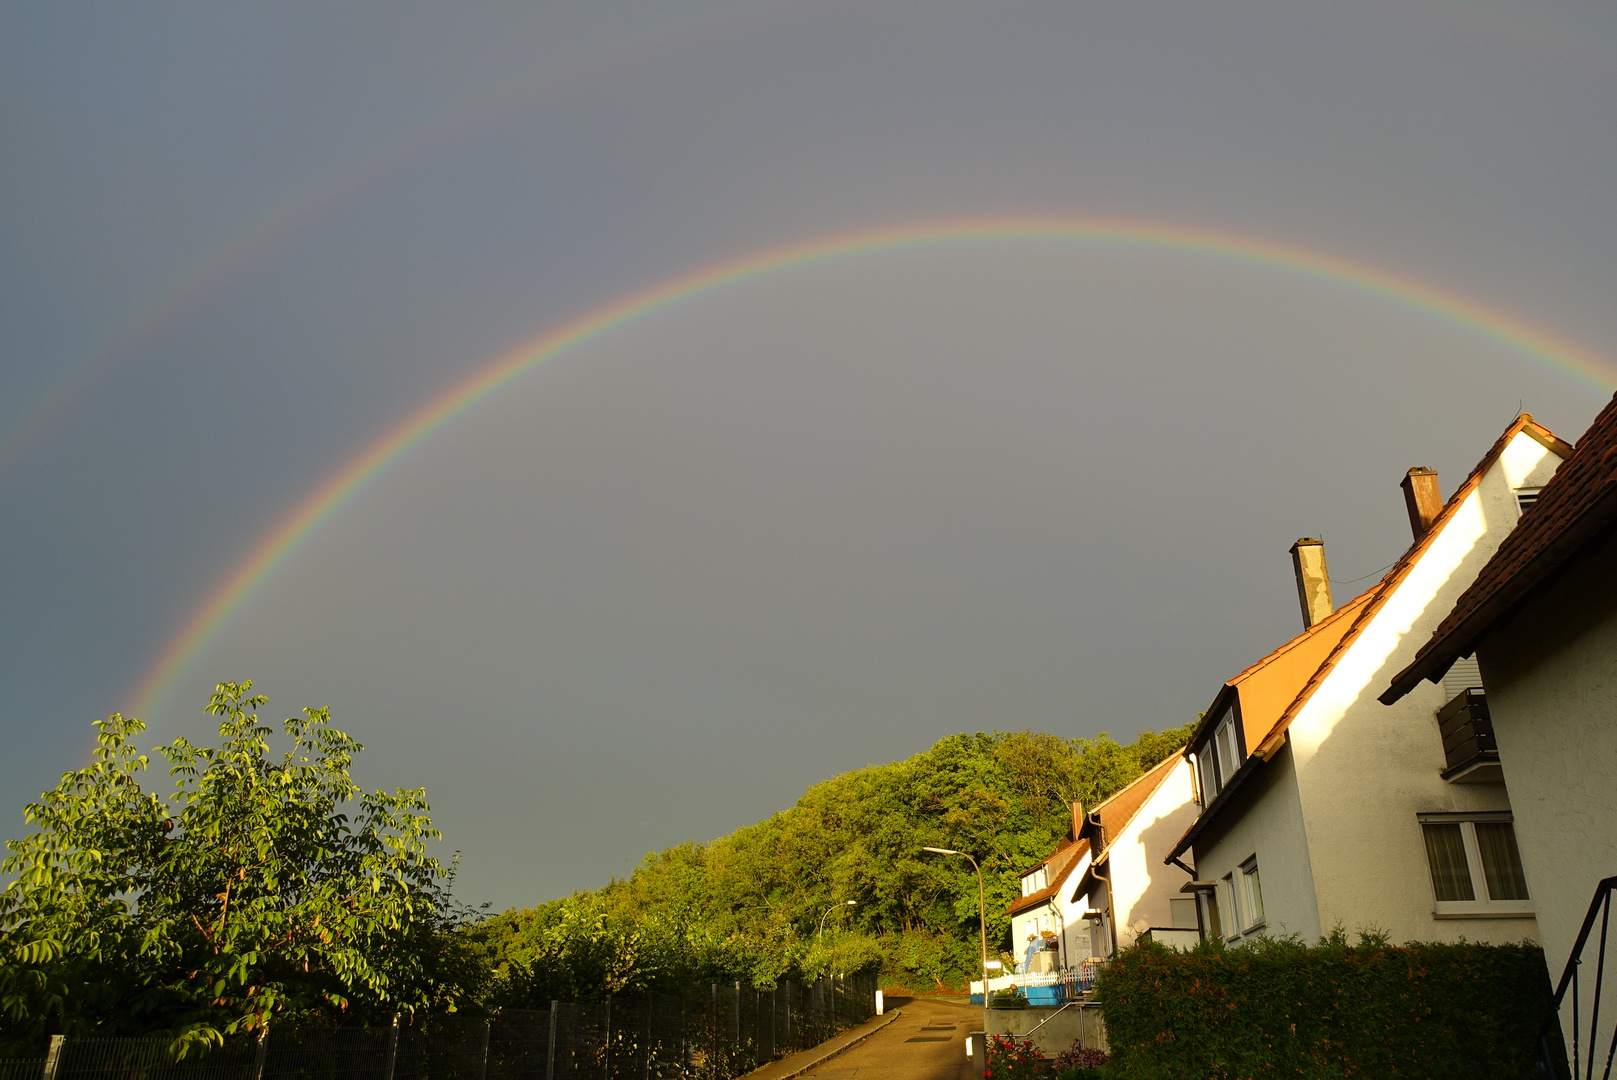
pixel 1271 742
pixel 1438 655
pixel 1156 775
pixel 1232 685
pixel 1248 769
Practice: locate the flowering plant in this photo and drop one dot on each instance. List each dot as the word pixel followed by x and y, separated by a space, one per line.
pixel 1077 1063
pixel 1010 1059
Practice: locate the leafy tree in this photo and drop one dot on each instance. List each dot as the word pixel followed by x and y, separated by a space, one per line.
pixel 747 906
pixel 248 893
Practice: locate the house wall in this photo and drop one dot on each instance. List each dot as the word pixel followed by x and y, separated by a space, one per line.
pixel 1551 675
pixel 1265 820
pixel 1062 913
pixel 1075 932
pixel 1142 884
pixel 1365 770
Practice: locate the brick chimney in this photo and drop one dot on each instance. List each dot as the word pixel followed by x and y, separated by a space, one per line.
pixel 1313 580
pixel 1421 499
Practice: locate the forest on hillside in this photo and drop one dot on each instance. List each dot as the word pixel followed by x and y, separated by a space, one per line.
pixel 749 906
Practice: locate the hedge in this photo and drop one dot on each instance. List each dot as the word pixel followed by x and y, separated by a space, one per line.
pixel 1280 1008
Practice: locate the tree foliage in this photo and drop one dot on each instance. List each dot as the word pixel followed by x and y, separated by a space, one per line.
pixel 249 892
pixel 749 905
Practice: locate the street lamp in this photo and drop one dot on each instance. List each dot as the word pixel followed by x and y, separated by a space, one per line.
pixel 982 915
pixel 829 910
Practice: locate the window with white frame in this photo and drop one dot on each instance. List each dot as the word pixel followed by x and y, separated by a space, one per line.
pixel 1218 758
pixel 1526 497
pixel 1032 883
pixel 1475 864
pixel 1229 901
pixel 1251 894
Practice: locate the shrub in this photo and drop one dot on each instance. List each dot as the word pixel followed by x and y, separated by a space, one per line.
pixel 1012 997
pixel 1013 1059
pixel 1078 1063
pixel 1280 1008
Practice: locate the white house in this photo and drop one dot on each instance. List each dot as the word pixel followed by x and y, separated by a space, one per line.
pixel 1045 906
pixel 1126 890
pixel 1541 618
pixel 1318 806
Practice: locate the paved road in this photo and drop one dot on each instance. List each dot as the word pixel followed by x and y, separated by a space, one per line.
pixel 928 1042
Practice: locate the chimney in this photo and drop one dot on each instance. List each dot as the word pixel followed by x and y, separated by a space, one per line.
pixel 1313 581
pixel 1077 820
pixel 1421 499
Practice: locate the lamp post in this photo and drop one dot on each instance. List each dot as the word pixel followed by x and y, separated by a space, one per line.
pixel 829 910
pixel 982 919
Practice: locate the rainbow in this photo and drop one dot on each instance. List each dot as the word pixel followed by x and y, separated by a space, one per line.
pixel 1484 320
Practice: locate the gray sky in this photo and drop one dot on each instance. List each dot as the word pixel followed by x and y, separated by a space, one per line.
pixel 810 520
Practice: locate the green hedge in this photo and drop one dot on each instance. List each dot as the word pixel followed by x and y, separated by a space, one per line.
pixel 1281 1008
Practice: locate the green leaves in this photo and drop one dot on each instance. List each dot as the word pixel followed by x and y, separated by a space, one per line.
pixel 749 905
pixel 1281 1008
pixel 247 892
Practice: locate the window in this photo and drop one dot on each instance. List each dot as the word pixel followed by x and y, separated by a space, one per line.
pixel 1219 757
pixel 1526 497
pixel 1033 882
pixel 1231 904
pixel 1183 909
pixel 1251 894
pixel 1228 756
pixel 1463 674
pixel 1476 866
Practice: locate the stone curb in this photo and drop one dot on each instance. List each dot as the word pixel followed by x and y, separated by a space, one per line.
pixel 823 1058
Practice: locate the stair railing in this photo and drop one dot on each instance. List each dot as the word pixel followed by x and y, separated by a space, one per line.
pixel 1549 1064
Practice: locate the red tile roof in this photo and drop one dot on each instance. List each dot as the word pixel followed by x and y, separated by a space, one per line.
pixel 1111 816
pixel 1522 425
pixel 1367 606
pixel 1576 508
pixel 1068 857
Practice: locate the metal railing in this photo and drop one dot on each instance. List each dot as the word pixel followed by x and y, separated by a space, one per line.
pixel 717 1032
pixel 1551 1060
pixel 1061 986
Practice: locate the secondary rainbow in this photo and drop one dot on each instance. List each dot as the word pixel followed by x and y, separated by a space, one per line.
pixel 1447 305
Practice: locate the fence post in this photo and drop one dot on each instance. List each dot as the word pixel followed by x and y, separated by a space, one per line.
pixel 53 1056
pixel 262 1052
pixel 392 1049
pixel 651 1011
pixel 550 1056
pixel 482 1065
pixel 608 1047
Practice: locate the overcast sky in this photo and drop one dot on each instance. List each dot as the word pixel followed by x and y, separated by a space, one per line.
pixel 805 521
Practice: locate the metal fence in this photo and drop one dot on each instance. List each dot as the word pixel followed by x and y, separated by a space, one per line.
pixel 715 1033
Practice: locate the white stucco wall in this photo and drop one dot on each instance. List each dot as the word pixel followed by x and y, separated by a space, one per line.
pixel 1142 885
pixel 1552 690
pixel 1365 770
pixel 1061 913
pixel 1266 821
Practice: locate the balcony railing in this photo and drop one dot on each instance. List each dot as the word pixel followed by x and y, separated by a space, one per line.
pixel 1043 987
pixel 1174 937
pixel 1469 751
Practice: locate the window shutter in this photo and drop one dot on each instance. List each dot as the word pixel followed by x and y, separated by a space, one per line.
pixel 1463 675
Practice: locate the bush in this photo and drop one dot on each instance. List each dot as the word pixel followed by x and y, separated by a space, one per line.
pixel 1012 997
pixel 1078 1063
pixel 1012 1059
pixel 1280 1008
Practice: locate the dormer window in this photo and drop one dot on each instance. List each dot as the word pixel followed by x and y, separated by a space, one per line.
pixel 1032 883
pixel 1218 758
